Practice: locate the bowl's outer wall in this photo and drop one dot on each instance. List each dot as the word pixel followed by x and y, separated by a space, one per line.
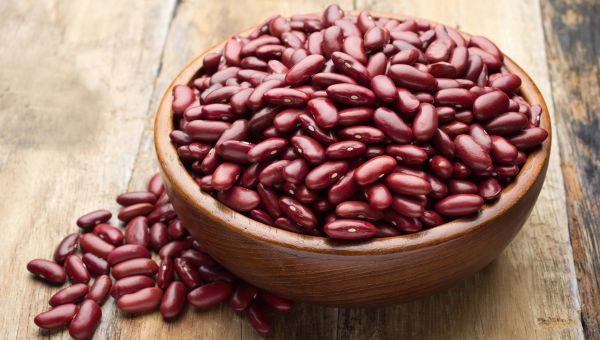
pixel 370 273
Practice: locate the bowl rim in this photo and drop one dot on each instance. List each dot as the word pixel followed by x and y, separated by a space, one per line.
pixel 176 174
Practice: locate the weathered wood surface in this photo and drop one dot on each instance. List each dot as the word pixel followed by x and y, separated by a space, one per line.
pixel 80 81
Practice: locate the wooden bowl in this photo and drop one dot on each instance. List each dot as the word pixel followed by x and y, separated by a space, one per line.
pixel 335 273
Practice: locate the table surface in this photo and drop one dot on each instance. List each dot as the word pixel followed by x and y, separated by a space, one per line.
pixel 79 84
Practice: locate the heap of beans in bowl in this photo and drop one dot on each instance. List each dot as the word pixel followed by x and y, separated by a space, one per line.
pixel 353 127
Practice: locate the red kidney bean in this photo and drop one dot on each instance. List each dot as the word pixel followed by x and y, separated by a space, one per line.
pixel 264 150
pixel 480 136
pixel 489 189
pixel 287 119
pixel 505 171
pixel 165 276
pixel 84 324
pixel 324 112
pixel 205 184
pixel 350 66
pixel 221 76
pixel 411 78
pixel 507 123
pixel 135 211
pixel 295 171
pixel 408 207
pixel 365 134
pixel 66 247
pixel 137 266
pixel 471 153
pixel 272 174
pixel 407 102
pixel 507 83
pixel 489 60
pixel 445 114
pixel 459 186
pixel 357 210
pixel 384 230
pixel 206 130
pixel 390 123
pixel 490 105
pixel 486 45
pixel 438 188
pixel 183 96
pixel 502 151
pixel 276 302
pixel 92 218
pixel 261 216
pixel 262 119
pixel 298 212
pixel 142 301
pixel 332 40
pixel 239 100
pixel 456 97
pixel 176 230
pixel 70 294
pixel 99 290
pixel 196 258
pixel 374 169
pixel 187 273
pixel 225 175
pixel 269 51
pixel 95 265
pixel 127 252
pixel 309 149
pixel 441 167
pixel 135 197
pixel 249 177
pixel 407 184
pixel 407 154
pixel 459 205
pixel 375 38
pixel 156 185
pixel 211 62
pixel 407 57
pixel 326 174
pixel 521 158
pixel 231 150
pixel 425 123
pixel 220 96
pixel 57 317
pixel 431 219
pixel 352 95
pixel 303 70
pixel 377 64
pixel 243 296
pixel 345 149
pixel 343 189
pixel 218 112
pixel 328 79
pixel 355 116
pixel 109 233
pixel 136 231
pixel 259 318
pixel 529 138
pixel 310 126
pixel 286 97
pixel 91 243
pixel 210 294
pixel 349 229
pixel 384 88
pixel 365 21
pixel 173 300
pixel 239 198
pixel 355 47
pixel 402 223
pixel 460 170
pixel 379 196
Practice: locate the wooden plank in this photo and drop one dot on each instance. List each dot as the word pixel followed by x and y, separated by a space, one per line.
pixel 528 293
pixel 573 47
pixel 76 77
pixel 198 25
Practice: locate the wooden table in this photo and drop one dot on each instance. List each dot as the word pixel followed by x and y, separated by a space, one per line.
pixel 79 83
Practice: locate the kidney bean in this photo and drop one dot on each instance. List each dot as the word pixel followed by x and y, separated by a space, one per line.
pixel 136 210
pixel 349 229
pixel 459 205
pixel 355 116
pixel 92 218
pixel 309 149
pixel 165 272
pixel 459 186
pixel 402 223
pixel 441 167
pixel 211 62
pixel 187 273
pixel 130 198
pixel 156 185
pixel 328 79
pixel 375 38
pixel 365 21
pixel 431 219
pixel 210 294
pixel 407 102
pixel 225 175
pixel 109 233
pixel 136 231
pixel 84 324
pixel 411 78
pixel 206 130
pixel 310 126
pixel 220 96
pixel 272 173
pixel 357 210
pixel 221 76
pixel 176 230
pixel 445 114
pixel 384 88
pixel 489 60
pixel 480 136
pixel 243 296
pixel 507 123
pixel 489 189
pixel 326 174
pixel 276 302
pixel 70 294
pixel 460 170
pixel 95 265
pixel 425 123
pixel 352 95
pixel 197 258
pixel 502 151
pixel 239 198
pixel 261 216
pixel 507 83
pixel 379 196
pixel 439 50
pixel 490 105
pixel 324 112
pixel 354 46
pixel 486 45
pixel 127 252
pixel 286 97
pixel 137 266
pixel 332 40
pixel 66 247
pixel 377 64
pixel 389 123
pixel 373 169
pixel 407 184
pixel 99 290
pixel 183 96
pixel 298 212
pixel 505 171
pixel 345 149
pixel 91 243
pixel 259 318
pixel 295 171
pixel 438 188
pixel 345 187
pixel 471 153
pixel 173 300
pixel 303 70
pixel 456 97
pixel 231 150
pixel 408 207
pixel 407 154
pixel 57 317
pixel 142 301
pixel 287 119
pixel 218 112
pixel 262 119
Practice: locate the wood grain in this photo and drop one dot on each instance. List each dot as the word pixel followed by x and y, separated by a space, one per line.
pixel 573 46
pixel 79 83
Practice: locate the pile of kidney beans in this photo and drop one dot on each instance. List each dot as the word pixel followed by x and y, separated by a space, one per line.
pixel 185 274
pixel 354 126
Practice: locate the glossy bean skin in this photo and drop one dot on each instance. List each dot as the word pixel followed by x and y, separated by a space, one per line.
pixel 441 167
pixel 173 300
pixel 47 270
pixel 296 171
pixel 392 125
pixel 127 252
pixel 196 258
pixel 276 302
pixel 92 218
pixel 66 247
pixel 425 123
pixel 138 266
pixel 480 136
pixel 109 233
pixel 325 174
pixel 162 213
pixel 458 186
pixel 379 196
pixel 345 187
pixel 187 273
pixel 349 229
pixel 324 112
pixel 225 175
pixel 471 153
pixel 95 264
pixel 297 212
pixel 352 95
pixel 142 301
pixel 266 149
pixel 502 151
pixel 86 320
pixel 71 294
pixel 407 102
pixel 374 169
pixel 286 97
pixel 156 185
pixel 165 274
pixel 507 123
pixel 135 197
pixel 210 294
pixel 529 138
pixel 100 289
pixel 459 205
pixel 302 71
pixel 407 184
pixel 345 149
pixel 57 317
pixel 384 88
pixel 431 218
pixel 489 105
pixel 91 243
pixel 176 230
pixel 355 116
pixel 411 78
pixel 130 284
pixel 136 210
pixel 489 189
pixel 406 206
pixel 362 133
pixel 175 248
pixel 206 130
pixel 243 296
pixel 136 231
pixel 239 198
pixel 357 210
